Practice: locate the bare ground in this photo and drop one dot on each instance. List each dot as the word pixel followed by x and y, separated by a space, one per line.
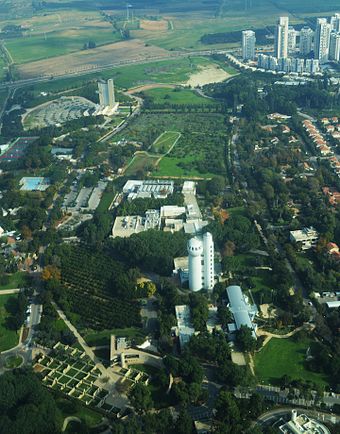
pixel 88 60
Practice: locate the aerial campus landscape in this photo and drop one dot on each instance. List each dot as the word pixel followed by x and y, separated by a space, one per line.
pixel 169 217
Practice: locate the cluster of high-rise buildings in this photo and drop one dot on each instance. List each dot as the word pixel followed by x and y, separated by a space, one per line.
pixel 314 48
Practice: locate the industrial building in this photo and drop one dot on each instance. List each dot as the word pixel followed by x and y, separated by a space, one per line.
pixel 201 262
pixel 302 424
pixel 159 189
pixel 243 312
pixel 308 237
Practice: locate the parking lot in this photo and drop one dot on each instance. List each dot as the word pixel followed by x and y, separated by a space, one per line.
pixel 58 111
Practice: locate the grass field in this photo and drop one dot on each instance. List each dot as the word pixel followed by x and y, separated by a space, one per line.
pixel 285 356
pixel 103 337
pixel 171 166
pixel 140 162
pixel 105 201
pixel 56 43
pixel 176 96
pixel 165 142
pixel 2 69
pixel 166 71
pixel 8 338
pixel 12 362
pixel 16 280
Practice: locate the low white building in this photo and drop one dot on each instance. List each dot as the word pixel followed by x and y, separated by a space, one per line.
pixel 243 312
pixel 302 424
pixel 308 237
pixel 157 188
pixel 184 329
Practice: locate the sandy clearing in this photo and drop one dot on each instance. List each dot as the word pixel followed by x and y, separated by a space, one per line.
pixel 206 75
pixel 87 60
pixel 154 25
pixel 151 86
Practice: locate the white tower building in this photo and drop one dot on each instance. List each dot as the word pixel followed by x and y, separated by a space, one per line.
pixel 106 93
pixel 321 42
pixel 335 22
pixel 208 262
pixel 201 262
pixel 334 47
pixel 306 41
pixel 292 35
pixel 248 45
pixel 281 38
pixel 195 250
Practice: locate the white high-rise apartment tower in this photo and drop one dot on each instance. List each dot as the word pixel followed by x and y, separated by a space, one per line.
pixel 281 38
pixel 335 23
pixel 292 34
pixel 201 262
pixel 334 47
pixel 106 93
pixel 306 41
pixel 321 41
pixel 248 45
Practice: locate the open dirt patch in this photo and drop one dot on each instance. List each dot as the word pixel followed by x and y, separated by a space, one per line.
pixel 154 25
pixel 90 60
pixel 207 75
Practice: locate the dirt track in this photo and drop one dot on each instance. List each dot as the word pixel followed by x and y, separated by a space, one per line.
pixel 91 59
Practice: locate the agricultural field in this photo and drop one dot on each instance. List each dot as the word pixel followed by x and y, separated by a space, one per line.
pixel 285 357
pixel 37 47
pixel 86 278
pixel 55 34
pixel 8 338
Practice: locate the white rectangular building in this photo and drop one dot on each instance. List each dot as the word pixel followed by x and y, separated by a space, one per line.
pixel 308 237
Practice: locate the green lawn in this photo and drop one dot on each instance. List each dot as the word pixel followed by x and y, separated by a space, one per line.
pixel 103 337
pixel 105 201
pixel 12 362
pixel 142 162
pixel 285 356
pixel 166 71
pixel 2 69
pixel 16 280
pixel 177 96
pixel 8 338
pixel 170 166
pixel 165 141
pixel 70 408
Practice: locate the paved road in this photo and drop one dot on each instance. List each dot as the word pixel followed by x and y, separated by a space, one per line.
pixel 10 291
pixel 171 55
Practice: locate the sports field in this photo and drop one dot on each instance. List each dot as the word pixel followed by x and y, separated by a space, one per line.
pixel 285 357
